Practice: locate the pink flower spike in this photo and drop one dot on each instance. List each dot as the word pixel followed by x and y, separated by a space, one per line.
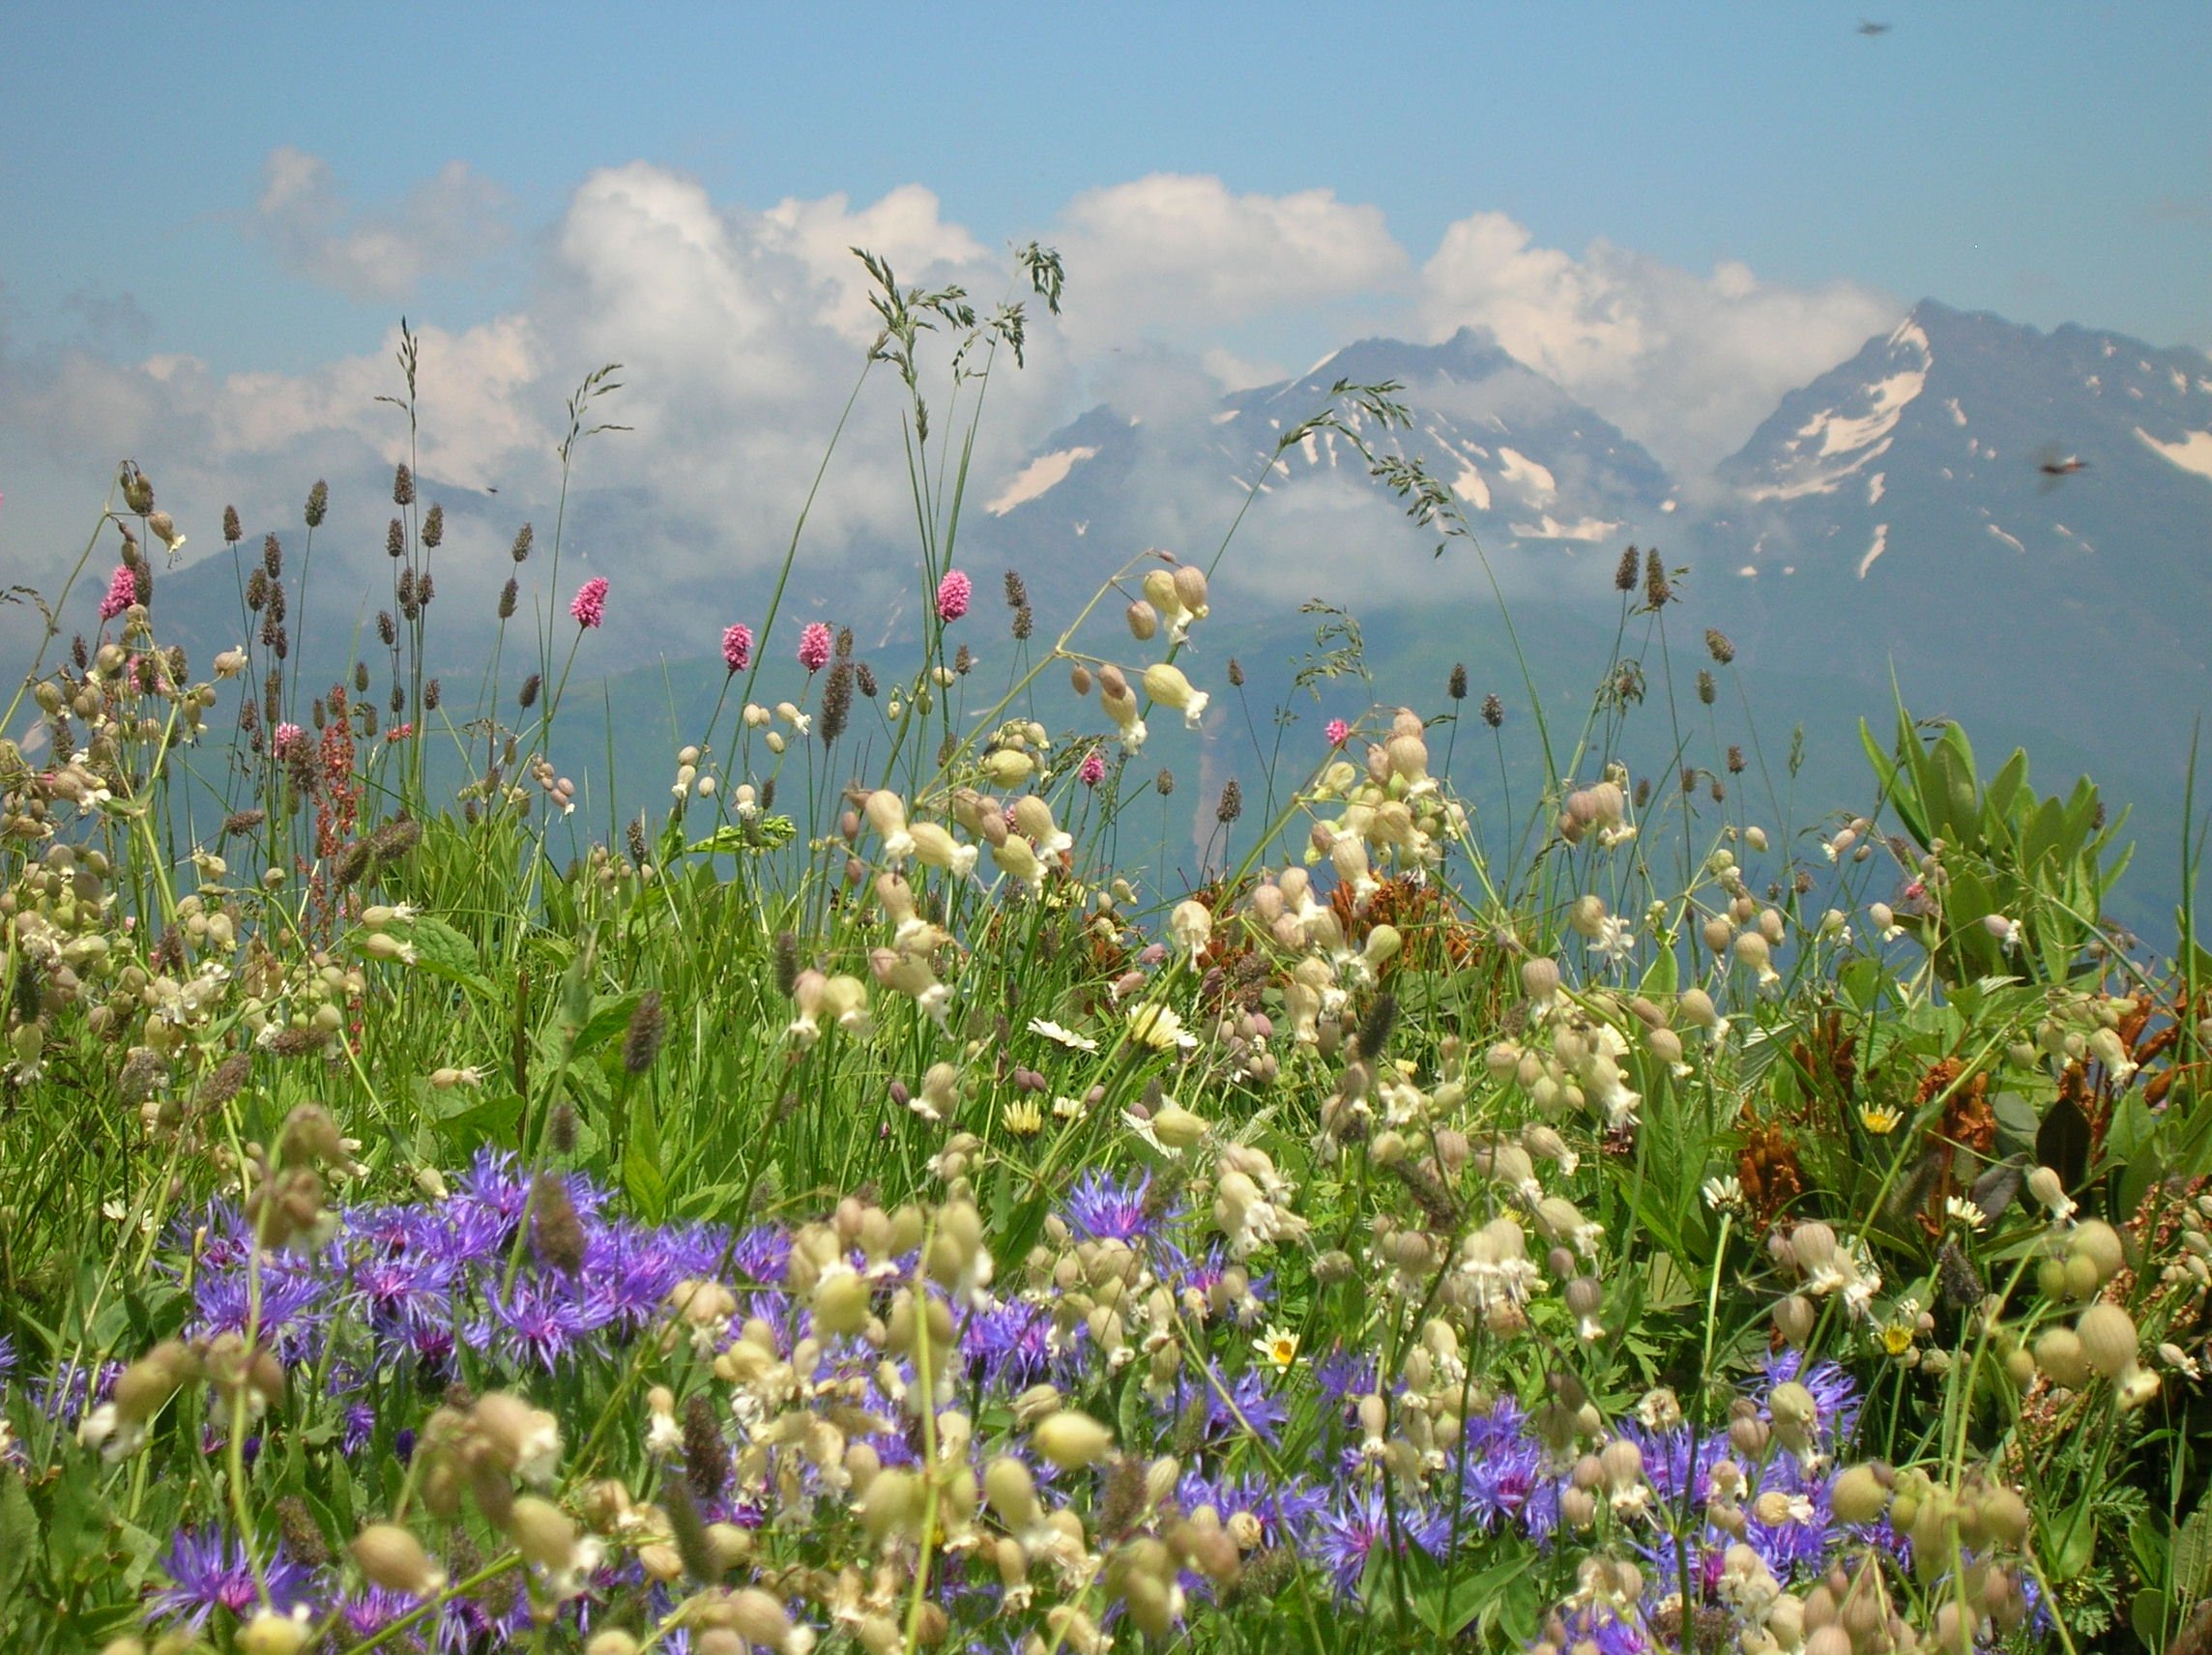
pixel 289 739
pixel 121 592
pixel 1093 769
pixel 738 646
pixel 1338 732
pixel 590 606
pixel 953 594
pixel 814 646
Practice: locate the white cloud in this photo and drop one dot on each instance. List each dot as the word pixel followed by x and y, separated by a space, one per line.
pixel 1688 364
pixel 442 225
pixel 1180 254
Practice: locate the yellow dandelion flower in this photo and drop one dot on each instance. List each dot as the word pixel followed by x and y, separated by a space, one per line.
pixel 1879 1120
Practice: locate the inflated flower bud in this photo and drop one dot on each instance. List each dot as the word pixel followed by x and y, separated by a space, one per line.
pixel 1857 1495
pixel 2098 1242
pixel 2107 1335
pixel 1070 1440
pixel 392 1558
pixel 1144 621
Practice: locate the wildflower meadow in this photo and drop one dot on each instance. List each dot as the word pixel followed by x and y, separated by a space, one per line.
pixel 867 1203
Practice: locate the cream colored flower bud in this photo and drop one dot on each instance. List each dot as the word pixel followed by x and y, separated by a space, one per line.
pixel 1071 1441
pixel 1176 1127
pixel 1190 589
pixel 269 1633
pixel 759 1619
pixel 1540 979
pixel 2107 1335
pixel 1756 837
pixel 392 1558
pixel 541 1532
pixel 2099 1242
pixel 1697 1009
pixel 1166 685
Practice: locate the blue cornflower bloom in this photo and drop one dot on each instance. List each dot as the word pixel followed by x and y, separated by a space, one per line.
pixel 1251 1407
pixel 1503 1476
pixel 1101 1209
pixel 1343 1375
pixel 1008 1344
pixel 223 1304
pixel 1351 1532
pixel 541 1321
pixel 67 1393
pixel 367 1613
pixel 208 1571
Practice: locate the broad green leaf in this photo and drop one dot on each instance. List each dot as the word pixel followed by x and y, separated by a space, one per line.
pixel 440 948
pixel 18 1531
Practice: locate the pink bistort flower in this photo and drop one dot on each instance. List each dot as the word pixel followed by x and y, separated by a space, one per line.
pixel 287 739
pixel 814 646
pixel 953 594
pixel 121 592
pixel 1092 770
pixel 1337 731
pixel 736 647
pixel 590 606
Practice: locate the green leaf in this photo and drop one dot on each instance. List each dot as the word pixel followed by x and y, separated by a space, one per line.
pixel 18 1532
pixel 605 1023
pixel 2190 1574
pixel 440 948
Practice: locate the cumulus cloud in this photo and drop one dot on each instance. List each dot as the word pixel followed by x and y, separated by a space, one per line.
pixel 1182 255
pixel 742 330
pixel 444 224
pixel 1686 364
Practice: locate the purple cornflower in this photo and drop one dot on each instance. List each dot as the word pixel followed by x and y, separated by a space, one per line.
pixel 541 1321
pixel 1349 1533
pixel 589 607
pixel 953 594
pixel 71 1389
pixel 1502 1480
pixel 368 1613
pixel 224 1302
pixel 121 592
pixel 1251 1407
pixel 1008 1343
pixel 1101 1210
pixel 208 1570
pixel 814 646
pixel 736 647
pixel 1344 1374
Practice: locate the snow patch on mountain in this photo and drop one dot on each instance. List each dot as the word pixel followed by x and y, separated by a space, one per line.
pixel 1550 528
pixel 1040 476
pixel 2194 453
pixel 1536 478
pixel 1879 546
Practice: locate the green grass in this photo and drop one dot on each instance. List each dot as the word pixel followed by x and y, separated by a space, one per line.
pixel 1386 1237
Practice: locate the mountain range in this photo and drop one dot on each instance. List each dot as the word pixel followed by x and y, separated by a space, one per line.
pixel 2013 527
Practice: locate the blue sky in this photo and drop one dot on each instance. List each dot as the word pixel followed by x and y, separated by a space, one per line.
pixel 215 215
pixel 2053 162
